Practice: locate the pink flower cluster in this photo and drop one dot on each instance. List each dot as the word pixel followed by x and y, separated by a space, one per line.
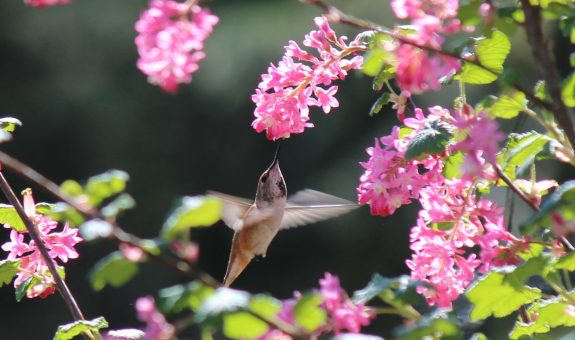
pixel 43 3
pixel 456 233
pixel 417 69
pixel 343 312
pixel 157 328
pixel 60 245
pixel 170 41
pixel 301 80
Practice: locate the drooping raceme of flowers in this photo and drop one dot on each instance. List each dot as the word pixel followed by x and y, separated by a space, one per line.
pixel 170 41
pixel 60 245
pixel 418 68
pixel 302 79
pixel 157 328
pixel 44 3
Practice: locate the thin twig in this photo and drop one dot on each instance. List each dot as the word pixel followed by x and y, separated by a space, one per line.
pixel 60 284
pixel 547 67
pixel 89 212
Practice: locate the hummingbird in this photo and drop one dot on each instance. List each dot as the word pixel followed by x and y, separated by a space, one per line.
pixel 257 222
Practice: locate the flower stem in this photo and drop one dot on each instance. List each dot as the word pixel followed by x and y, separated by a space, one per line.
pixel 60 284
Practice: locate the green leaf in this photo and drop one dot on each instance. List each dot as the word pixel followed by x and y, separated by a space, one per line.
pixel 8 269
pixel 106 185
pixel 376 286
pixel 521 151
pixel 568 91
pixel 9 124
pixel 508 107
pixel 265 306
pixel 566 262
pixel 224 300
pixel 491 53
pixel 379 103
pixel 397 292
pixel 500 293
pixel 540 90
pixel 73 329
pixel 121 203
pixel 71 188
pixel 8 215
pixel 561 201
pixel 95 229
pixel 469 13
pixel 308 313
pixel 431 140
pixel 242 325
pixel 386 73
pixel 181 297
pixel 433 327
pixel 197 211
pixel 63 212
pixel 113 270
pixel 453 165
pixel 550 314
pixel 24 286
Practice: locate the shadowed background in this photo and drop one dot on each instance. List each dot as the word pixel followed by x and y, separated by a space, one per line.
pixel 68 73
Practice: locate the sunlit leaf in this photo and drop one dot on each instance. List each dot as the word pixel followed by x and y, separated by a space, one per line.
pixel 9 124
pixel 521 151
pixel 568 91
pixel 561 201
pixel 8 269
pixel 128 334
pixel 121 203
pixel 181 297
pixel 8 215
pixel 95 229
pixel 265 306
pixel 69 331
pixel 242 325
pixel 308 313
pixel 508 106
pixel 113 270
pixel 224 300
pixel 197 211
pixel 549 314
pixel 106 185
pixel 491 53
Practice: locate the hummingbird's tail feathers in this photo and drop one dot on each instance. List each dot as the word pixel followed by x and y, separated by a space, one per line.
pixel 309 206
pixel 236 264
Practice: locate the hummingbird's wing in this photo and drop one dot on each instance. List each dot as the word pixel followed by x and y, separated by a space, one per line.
pixel 308 206
pixel 234 208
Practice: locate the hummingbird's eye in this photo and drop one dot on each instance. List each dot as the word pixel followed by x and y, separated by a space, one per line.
pixel 264 178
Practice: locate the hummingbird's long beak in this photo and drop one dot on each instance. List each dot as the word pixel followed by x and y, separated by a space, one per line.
pixel 276 156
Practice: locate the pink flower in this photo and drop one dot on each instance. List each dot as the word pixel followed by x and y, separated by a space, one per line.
pixel 157 328
pixel 343 312
pixel 444 9
pixel 42 3
pixel 60 245
pixel 301 80
pixel 170 41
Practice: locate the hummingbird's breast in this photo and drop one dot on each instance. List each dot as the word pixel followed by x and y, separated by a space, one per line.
pixel 257 238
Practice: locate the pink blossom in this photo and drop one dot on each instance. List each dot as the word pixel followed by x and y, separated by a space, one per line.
pixel 157 328
pixel 60 245
pixel 43 3
pixel 170 41
pixel 343 312
pixel 301 80
pixel 444 9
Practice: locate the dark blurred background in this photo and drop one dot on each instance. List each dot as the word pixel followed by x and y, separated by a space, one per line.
pixel 68 73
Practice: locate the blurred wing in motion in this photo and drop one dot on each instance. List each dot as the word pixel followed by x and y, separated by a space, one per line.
pixel 309 206
pixel 234 208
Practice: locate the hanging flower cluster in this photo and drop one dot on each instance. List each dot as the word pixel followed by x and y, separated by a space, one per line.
pixel 302 79
pixel 170 41
pixel 33 270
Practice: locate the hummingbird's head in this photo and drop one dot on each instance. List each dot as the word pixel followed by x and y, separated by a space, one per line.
pixel 271 185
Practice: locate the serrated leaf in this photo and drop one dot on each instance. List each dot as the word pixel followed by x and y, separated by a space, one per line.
pixel 95 229
pixel 431 140
pixel 566 262
pixel 568 91
pixel 308 313
pixel 21 290
pixel 521 151
pixel 379 103
pixel 242 325
pixel 550 314
pixel 196 211
pixel 265 306
pixel 500 293
pixel 69 331
pixel 8 269
pixel 561 200
pixel 113 270
pixel 8 215
pixel 178 298
pixel 9 124
pixel 491 53
pixel 224 300
pixel 508 107
pixel 106 185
